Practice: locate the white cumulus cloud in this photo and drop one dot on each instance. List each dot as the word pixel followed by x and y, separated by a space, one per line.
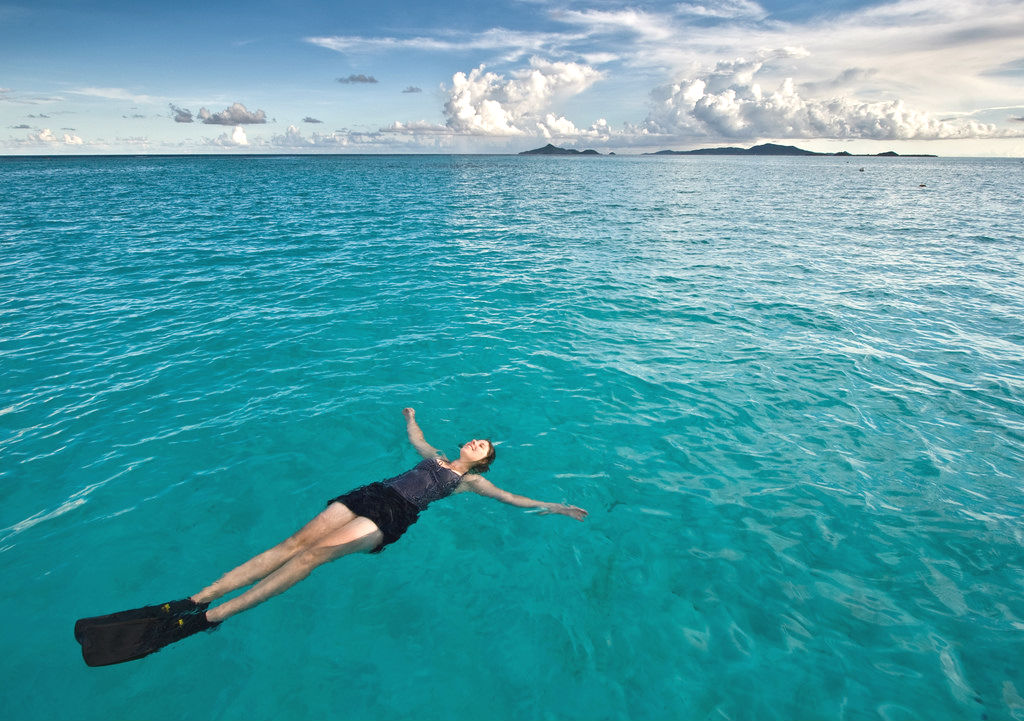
pixel 488 103
pixel 728 102
pixel 234 139
pixel 292 138
pixel 553 126
pixel 46 137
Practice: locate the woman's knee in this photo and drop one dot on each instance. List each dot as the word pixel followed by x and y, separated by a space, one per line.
pixel 296 544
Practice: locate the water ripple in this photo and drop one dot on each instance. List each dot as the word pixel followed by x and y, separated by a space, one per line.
pixel 790 393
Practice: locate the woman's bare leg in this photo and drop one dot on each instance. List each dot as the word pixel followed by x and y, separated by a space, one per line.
pixel 360 534
pixel 334 517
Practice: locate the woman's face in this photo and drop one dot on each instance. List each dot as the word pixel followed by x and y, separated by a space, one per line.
pixel 475 450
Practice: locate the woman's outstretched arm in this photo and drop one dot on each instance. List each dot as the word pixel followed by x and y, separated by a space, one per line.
pixel 416 435
pixel 480 485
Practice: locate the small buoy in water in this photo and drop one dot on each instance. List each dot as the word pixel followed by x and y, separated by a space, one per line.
pixel 922 185
pixel 862 170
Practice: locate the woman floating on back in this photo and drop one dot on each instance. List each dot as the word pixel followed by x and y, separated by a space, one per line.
pixel 363 520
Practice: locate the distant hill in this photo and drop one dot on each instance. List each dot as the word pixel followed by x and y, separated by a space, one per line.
pixel 550 149
pixel 764 149
pixel 775 149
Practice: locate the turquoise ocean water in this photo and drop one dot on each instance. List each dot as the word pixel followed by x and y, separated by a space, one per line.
pixel 790 393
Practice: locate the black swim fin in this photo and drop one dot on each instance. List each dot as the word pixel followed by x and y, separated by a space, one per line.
pixel 163 610
pixel 116 640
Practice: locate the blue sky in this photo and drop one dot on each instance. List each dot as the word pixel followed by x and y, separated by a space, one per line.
pixel 941 76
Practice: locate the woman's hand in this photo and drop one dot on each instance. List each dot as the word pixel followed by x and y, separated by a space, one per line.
pixel 480 485
pixel 572 511
pixel 416 435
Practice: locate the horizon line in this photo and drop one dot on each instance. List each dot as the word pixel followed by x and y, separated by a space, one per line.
pixel 613 154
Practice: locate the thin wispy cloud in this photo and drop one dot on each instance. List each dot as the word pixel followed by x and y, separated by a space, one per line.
pixel 116 94
pixel 1013 68
pixel 519 43
pixel 848 77
pixel 7 95
pixel 413 89
pixel 638 23
pixel 308 119
pixel 731 9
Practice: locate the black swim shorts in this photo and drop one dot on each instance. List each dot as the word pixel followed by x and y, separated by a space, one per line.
pixel 384 506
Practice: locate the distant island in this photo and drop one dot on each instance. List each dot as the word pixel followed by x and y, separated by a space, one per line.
pixel 765 149
pixel 550 149
pixel 775 149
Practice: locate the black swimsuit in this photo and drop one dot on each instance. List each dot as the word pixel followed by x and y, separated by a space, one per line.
pixel 395 503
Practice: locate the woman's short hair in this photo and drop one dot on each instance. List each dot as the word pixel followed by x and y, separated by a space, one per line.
pixel 484 464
